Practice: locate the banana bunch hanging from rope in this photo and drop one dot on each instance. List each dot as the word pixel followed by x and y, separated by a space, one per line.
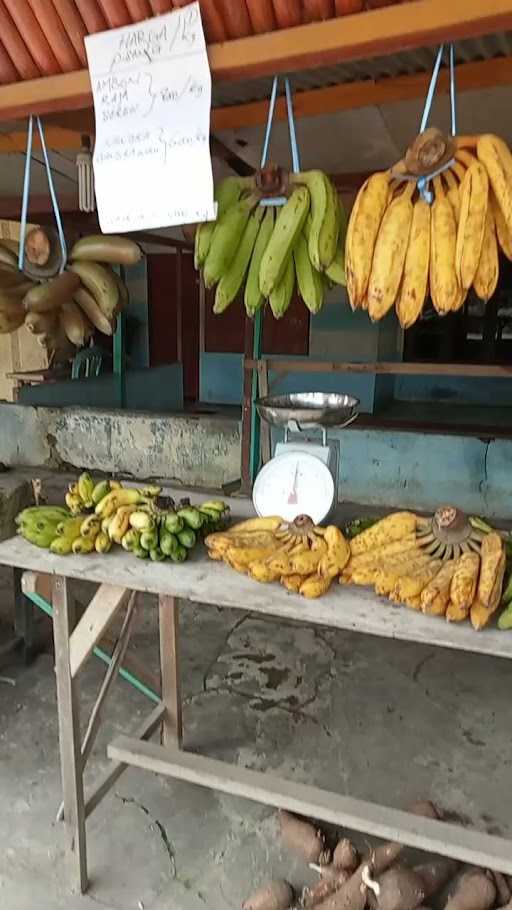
pixel 68 307
pixel 400 249
pixel 269 251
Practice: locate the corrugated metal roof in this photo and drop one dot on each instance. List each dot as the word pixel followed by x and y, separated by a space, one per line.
pixel 46 37
pixel 405 63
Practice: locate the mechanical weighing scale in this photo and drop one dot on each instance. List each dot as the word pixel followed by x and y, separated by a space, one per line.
pixel 301 478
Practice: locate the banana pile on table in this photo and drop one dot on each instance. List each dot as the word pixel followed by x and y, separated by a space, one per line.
pixel 87 296
pixel 103 514
pixel 303 556
pixel 400 249
pixel 444 566
pixel 270 251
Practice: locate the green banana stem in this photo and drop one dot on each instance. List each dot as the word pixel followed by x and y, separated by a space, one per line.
pixel 480 525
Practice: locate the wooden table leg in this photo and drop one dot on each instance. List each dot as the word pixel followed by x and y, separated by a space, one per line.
pixel 69 738
pixel 168 609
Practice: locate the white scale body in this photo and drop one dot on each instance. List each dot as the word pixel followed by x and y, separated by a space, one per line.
pixel 301 479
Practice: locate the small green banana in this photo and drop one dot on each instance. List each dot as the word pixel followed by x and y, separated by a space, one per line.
pixel 336 271
pixel 317 183
pixel 281 296
pixel 86 488
pixel 100 490
pixel 61 546
pixel 173 522
pixel 289 222
pixel 227 192
pixel 156 554
pixel 191 516
pixel 253 298
pixel 231 282
pixel 309 281
pixel 216 504
pixel 329 231
pixel 226 238
pixel 168 543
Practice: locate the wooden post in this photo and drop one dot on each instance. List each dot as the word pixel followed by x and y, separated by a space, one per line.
pixel 179 305
pixel 265 432
pixel 69 738
pixel 172 728
pixel 247 409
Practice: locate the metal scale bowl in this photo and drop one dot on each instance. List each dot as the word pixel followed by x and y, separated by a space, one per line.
pixel 301 477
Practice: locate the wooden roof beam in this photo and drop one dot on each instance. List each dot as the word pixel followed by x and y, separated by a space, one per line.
pixel 376 33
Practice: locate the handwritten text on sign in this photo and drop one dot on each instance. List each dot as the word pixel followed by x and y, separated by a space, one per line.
pixel 152 92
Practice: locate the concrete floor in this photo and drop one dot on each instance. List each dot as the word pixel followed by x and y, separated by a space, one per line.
pixel 383 720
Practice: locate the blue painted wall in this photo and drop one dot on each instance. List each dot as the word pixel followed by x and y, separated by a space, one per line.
pixel 157 389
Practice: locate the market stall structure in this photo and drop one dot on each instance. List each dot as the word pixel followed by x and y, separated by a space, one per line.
pixel 320 52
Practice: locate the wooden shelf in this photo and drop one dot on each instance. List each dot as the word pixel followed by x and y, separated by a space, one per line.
pixel 381 367
pixel 205 582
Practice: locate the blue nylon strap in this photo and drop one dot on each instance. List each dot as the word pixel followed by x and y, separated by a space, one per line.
pixel 55 204
pixel 277 201
pixel 453 90
pixel 423 182
pixel 26 194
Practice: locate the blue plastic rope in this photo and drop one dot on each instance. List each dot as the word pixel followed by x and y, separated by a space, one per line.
pixel 423 182
pixel 26 194
pixel 453 90
pixel 291 127
pixel 270 119
pixel 55 204
pixel 277 201
pixel 431 90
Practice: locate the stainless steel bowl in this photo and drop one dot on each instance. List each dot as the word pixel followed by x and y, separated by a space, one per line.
pixel 307 410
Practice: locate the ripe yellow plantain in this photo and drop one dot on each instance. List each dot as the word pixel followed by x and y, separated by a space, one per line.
pixel 270 523
pixel 389 254
pixel 487 273
pixel 413 289
pixel 363 227
pixel 502 229
pixel 474 197
pixel 292 582
pixel 244 556
pixel 315 586
pixel 495 155
pixel 445 290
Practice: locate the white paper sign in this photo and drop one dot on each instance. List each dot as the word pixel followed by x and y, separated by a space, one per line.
pixel 151 85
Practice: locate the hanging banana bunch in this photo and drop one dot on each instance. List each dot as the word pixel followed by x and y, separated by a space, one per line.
pixel 400 249
pixel 270 252
pixel 65 308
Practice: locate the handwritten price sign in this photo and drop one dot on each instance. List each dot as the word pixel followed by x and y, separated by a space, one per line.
pixel 152 94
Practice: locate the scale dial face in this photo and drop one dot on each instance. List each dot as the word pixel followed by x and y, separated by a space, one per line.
pixel 294 483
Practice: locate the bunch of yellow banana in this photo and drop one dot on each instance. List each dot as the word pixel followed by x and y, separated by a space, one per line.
pixel 269 252
pixel 304 557
pixel 405 561
pixel 70 307
pixel 400 249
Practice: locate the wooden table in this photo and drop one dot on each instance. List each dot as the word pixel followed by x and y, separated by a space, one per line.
pixel 205 582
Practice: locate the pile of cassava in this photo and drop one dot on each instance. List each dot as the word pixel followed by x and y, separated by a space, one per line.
pixel 380 880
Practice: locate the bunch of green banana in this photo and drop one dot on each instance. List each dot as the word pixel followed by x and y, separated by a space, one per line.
pixel 38 524
pixel 171 534
pixel 268 252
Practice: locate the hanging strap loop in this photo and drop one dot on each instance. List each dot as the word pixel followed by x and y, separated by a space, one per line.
pixel 423 182
pixel 26 194
pixel 280 200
